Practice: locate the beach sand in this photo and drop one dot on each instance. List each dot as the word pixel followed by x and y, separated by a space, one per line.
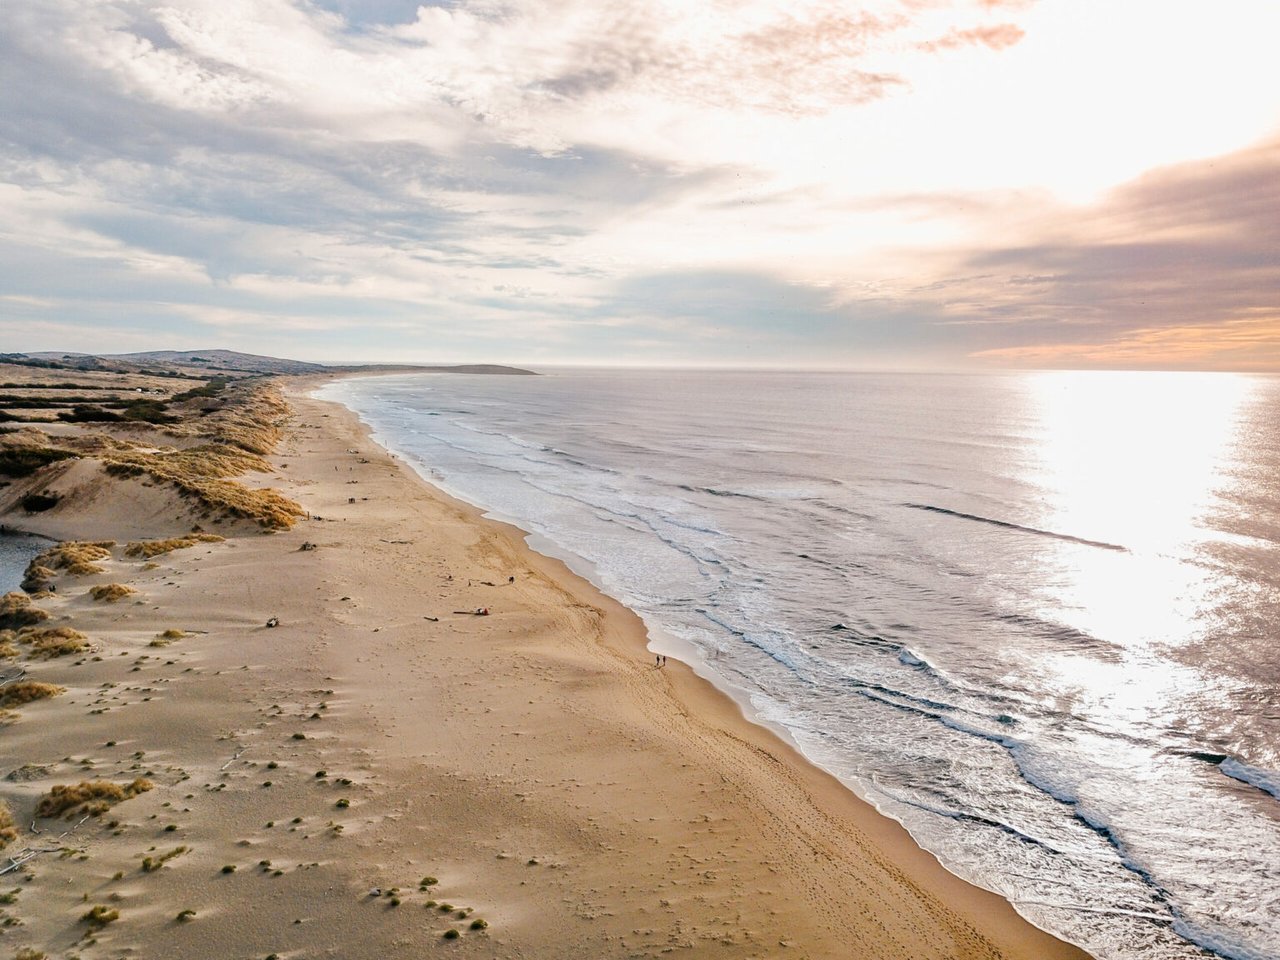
pixel 533 763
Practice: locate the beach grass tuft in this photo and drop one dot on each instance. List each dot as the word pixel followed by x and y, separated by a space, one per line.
pixel 27 691
pixel 146 549
pixel 8 827
pixel 48 642
pixel 89 796
pixel 100 916
pixel 152 864
pixel 111 592
pixel 16 611
pixel 76 557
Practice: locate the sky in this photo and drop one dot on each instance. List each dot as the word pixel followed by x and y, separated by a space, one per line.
pixel 920 184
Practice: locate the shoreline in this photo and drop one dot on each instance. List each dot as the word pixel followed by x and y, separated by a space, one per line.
pixel 692 691
pixel 329 719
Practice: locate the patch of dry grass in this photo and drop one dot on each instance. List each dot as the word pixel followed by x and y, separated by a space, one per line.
pixel 54 641
pixel 8 828
pixel 89 796
pixel 246 428
pixel 153 548
pixel 7 647
pixel 27 691
pixel 152 864
pixel 37 576
pixel 100 916
pixel 16 611
pixel 192 476
pixel 78 557
pixel 111 592
pixel 166 638
pixel 252 419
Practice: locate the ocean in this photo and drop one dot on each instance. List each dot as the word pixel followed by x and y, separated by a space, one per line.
pixel 1031 616
pixel 16 551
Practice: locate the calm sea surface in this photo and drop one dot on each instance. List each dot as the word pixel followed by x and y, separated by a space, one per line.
pixel 16 551
pixel 1033 617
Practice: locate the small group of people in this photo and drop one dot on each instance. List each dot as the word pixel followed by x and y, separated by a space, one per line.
pixel 660 660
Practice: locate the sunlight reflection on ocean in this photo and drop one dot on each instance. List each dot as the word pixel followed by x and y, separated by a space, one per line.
pixel 1032 616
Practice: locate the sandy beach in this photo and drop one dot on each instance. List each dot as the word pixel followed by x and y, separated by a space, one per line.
pixel 383 765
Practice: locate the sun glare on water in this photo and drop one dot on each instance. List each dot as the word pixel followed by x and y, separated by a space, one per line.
pixel 1140 462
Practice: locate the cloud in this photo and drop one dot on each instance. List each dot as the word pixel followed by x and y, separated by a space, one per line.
pixel 748 178
pixel 1176 268
pixel 996 37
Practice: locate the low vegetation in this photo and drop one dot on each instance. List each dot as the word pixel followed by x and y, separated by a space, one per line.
pixel 93 797
pixel 200 474
pixel 8 828
pixel 224 429
pixel 111 592
pixel 24 461
pixel 100 916
pixel 40 502
pixel 47 642
pixel 27 691
pixel 77 557
pixel 166 638
pixel 17 611
pixel 152 864
pixel 147 549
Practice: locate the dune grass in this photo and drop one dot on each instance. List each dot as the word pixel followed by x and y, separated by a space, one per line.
pixel 77 557
pixel 89 796
pixel 26 460
pixel 225 443
pixel 100 916
pixel 48 642
pixel 8 827
pixel 16 612
pixel 27 691
pixel 111 592
pixel 152 864
pixel 166 638
pixel 147 549
pixel 189 473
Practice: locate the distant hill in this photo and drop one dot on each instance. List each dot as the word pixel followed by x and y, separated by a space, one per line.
pixel 197 362
pixel 222 360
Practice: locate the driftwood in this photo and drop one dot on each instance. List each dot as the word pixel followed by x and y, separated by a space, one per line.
pixel 234 758
pixel 32 852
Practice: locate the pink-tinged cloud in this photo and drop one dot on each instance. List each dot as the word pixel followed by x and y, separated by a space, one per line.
pixel 999 36
pixel 1247 344
pixel 1180 268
